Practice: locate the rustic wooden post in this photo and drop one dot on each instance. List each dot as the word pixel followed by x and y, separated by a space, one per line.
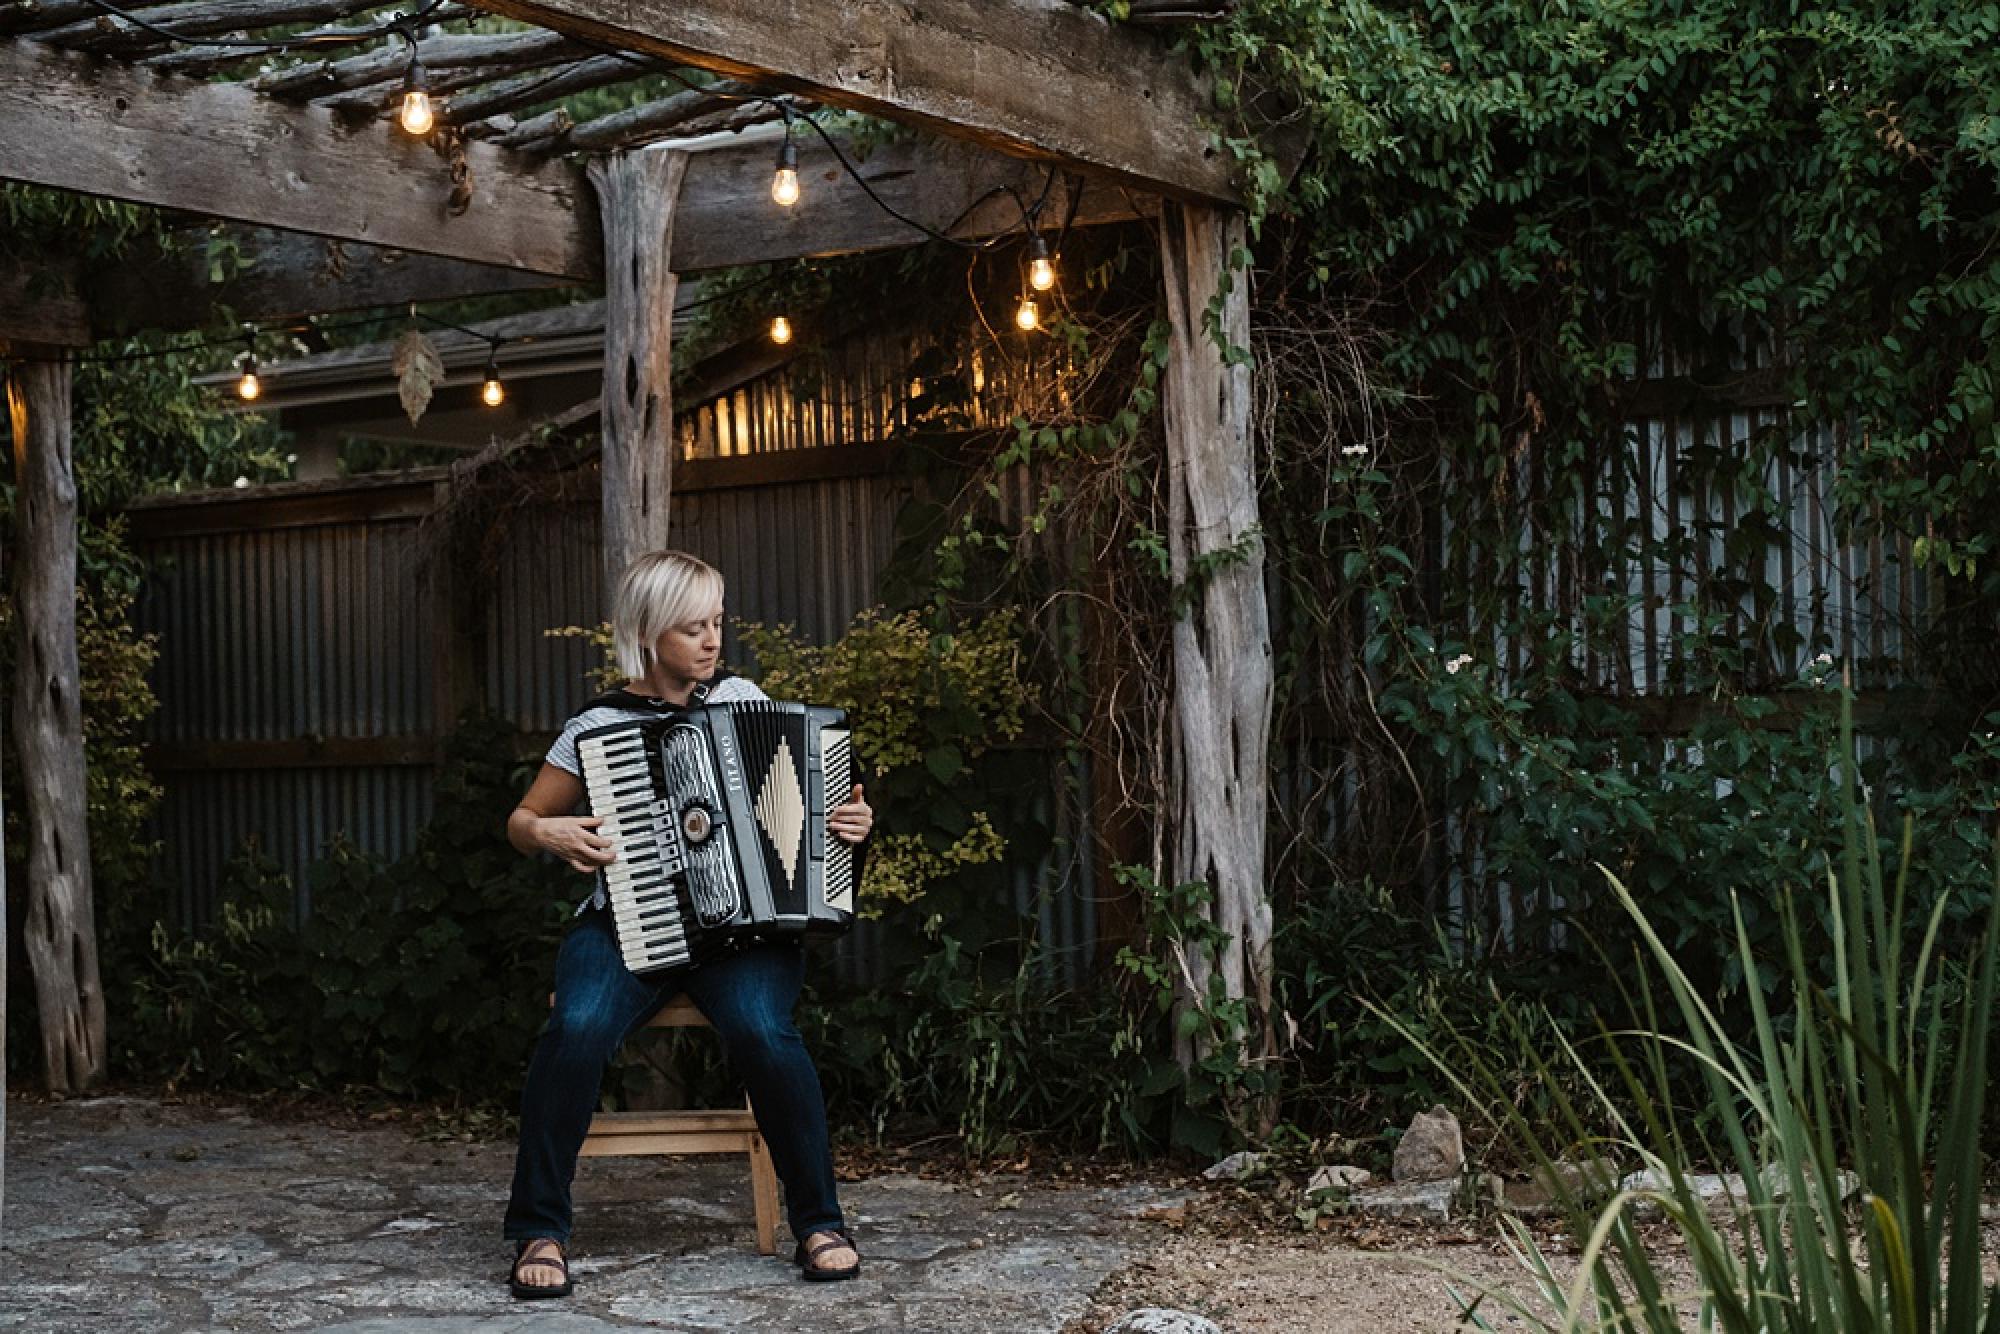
pixel 61 932
pixel 637 194
pixel 1222 642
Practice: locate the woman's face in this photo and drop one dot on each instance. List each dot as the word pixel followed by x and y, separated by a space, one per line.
pixel 690 650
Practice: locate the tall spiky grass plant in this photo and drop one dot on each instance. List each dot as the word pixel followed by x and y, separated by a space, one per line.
pixel 1852 1118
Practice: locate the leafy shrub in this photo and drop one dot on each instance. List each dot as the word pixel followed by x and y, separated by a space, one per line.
pixel 426 977
pixel 925 707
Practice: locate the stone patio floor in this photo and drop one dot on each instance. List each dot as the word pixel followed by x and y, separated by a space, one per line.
pixel 127 1214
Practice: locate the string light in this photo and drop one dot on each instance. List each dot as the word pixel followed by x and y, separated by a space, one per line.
pixel 785 181
pixel 1026 317
pixel 418 114
pixel 1041 269
pixel 248 387
pixel 492 392
pixel 781 330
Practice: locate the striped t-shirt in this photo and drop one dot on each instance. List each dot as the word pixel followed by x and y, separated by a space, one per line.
pixel 729 690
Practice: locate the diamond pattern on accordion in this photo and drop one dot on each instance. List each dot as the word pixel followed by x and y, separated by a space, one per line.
pixel 781 809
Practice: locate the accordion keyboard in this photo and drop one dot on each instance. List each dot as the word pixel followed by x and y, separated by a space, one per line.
pixel 617 776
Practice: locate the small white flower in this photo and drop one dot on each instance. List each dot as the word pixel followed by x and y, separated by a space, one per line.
pixel 1823 660
pixel 1353 451
pixel 242 482
pixel 1458 664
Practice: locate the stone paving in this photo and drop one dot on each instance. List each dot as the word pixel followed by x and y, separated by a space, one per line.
pixel 127 1215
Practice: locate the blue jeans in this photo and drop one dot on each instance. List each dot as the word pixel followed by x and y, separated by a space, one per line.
pixel 748 996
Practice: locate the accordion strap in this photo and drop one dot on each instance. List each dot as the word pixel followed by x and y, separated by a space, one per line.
pixel 621 698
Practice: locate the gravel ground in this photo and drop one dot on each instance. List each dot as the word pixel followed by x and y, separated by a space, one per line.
pixel 1364 1280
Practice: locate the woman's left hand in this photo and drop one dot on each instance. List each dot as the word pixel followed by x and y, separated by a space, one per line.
pixel 852 819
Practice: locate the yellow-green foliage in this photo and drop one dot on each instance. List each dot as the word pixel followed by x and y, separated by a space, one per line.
pixel 898 682
pixel 901 866
pixel 922 706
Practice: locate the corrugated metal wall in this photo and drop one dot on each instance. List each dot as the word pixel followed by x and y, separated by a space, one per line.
pixel 326 632
pixel 300 626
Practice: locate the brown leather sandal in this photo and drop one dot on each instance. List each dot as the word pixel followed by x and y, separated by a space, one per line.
pixel 543 1248
pixel 804 1258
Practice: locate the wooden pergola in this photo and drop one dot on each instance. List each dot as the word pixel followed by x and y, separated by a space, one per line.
pixel 332 207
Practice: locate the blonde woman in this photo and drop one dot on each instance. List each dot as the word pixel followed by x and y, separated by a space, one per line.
pixel 667 636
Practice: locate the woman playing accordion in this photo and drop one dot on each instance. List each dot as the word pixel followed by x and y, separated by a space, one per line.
pixel 667 636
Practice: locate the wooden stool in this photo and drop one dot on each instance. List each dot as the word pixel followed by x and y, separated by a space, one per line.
pixel 725 1130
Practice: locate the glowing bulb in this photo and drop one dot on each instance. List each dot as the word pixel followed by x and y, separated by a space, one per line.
pixel 493 393
pixel 1026 317
pixel 781 330
pixel 418 115
pixel 248 388
pixel 785 183
pixel 1041 269
pixel 978 373
pixel 916 386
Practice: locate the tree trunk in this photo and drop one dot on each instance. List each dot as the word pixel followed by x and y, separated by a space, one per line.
pixel 1222 640
pixel 61 932
pixel 636 196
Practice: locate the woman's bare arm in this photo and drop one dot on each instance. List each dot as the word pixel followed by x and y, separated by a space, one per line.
pixel 543 823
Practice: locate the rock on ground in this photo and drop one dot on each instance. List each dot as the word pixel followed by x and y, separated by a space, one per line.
pixel 1432 1149
pixel 1157 1320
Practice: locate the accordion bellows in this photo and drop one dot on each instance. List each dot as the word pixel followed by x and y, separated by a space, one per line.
pixel 719 818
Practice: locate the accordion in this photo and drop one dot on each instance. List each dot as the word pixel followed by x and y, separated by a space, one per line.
pixel 719 817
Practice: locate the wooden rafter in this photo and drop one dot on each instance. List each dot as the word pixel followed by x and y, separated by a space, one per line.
pixel 485 53
pixel 107 34
pixel 223 151
pixel 1033 78
pixel 511 94
pixel 276 276
pixel 203 59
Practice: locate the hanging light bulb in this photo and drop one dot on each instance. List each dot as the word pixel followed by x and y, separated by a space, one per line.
pixel 785 183
pixel 1026 317
pixel 978 372
pixel 492 392
pixel 248 386
pixel 1041 269
pixel 781 329
pixel 418 114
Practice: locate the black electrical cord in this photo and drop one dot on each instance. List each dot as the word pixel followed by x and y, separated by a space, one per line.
pixel 343 38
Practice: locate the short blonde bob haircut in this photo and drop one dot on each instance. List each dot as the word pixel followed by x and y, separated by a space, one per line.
pixel 658 591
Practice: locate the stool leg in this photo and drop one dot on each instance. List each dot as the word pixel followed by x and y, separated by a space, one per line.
pixel 764 1195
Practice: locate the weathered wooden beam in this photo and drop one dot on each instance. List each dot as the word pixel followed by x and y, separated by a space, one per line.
pixel 280 276
pixel 1222 671
pixel 40 303
pixel 220 149
pixel 727 218
pixel 223 151
pixel 1033 78
pixel 61 931
pixel 637 198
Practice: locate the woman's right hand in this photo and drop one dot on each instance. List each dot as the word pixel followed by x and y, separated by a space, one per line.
pixel 570 838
